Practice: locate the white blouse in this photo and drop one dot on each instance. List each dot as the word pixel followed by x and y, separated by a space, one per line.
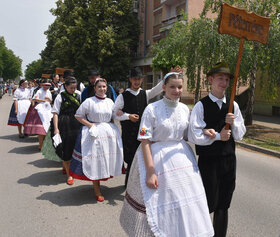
pixel 119 103
pixel 197 124
pixel 41 94
pixel 96 110
pixel 164 120
pixel 21 94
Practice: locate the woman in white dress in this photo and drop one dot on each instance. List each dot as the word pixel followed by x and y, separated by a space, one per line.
pixel 98 153
pixel 20 106
pixel 39 116
pixel 165 194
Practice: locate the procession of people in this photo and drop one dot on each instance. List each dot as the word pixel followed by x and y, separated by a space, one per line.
pixel 168 192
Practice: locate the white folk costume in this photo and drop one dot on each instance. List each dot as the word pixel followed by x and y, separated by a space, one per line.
pixel 22 96
pixel 178 207
pixel 98 153
pixel 39 117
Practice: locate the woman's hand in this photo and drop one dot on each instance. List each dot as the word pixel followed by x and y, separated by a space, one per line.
pixel 15 111
pixel 48 99
pixel 56 131
pixel 211 133
pixel 91 124
pixel 151 180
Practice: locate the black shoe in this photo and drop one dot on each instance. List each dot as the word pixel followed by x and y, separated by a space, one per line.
pixel 21 136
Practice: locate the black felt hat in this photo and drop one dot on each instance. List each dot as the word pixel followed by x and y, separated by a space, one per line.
pixel 68 73
pixel 135 72
pixel 220 67
pixel 93 72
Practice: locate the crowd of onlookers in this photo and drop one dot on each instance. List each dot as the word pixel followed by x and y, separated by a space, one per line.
pixel 7 87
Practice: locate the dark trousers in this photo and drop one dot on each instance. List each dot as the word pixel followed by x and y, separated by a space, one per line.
pixel 218 175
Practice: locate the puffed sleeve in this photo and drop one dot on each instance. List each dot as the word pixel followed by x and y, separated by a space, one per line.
pixel 57 104
pixel 82 111
pixel 16 95
pixel 147 124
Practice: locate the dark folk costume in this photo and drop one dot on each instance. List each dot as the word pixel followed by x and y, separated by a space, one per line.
pixel 65 107
pixel 217 161
pixel 133 102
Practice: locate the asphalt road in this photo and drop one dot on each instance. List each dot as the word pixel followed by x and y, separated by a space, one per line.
pixel 36 201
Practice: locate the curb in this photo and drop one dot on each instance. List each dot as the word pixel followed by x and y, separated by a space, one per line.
pixel 258 149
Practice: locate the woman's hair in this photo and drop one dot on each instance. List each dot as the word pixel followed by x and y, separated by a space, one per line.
pixel 70 80
pixel 99 80
pixel 169 76
pixel 53 75
pixel 21 82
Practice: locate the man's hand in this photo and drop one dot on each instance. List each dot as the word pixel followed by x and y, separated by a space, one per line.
pixel 211 133
pixel 177 69
pixel 225 134
pixel 134 117
pixel 230 118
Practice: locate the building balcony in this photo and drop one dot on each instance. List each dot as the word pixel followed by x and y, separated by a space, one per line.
pixel 168 23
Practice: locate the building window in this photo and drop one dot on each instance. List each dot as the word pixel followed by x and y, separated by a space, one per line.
pixel 157 19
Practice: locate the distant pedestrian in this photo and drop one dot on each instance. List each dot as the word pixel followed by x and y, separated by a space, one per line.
pixel 21 103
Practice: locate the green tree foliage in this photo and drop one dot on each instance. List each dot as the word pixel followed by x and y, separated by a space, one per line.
pixel 92 33
pixel 34 70
pixel 196 46
pixel 10 65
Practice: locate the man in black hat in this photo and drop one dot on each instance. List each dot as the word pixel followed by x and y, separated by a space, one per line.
pixel 93 74
pixel 132 102
pixel 215 145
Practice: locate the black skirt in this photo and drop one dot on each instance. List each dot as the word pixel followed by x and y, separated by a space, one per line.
pixel 69 128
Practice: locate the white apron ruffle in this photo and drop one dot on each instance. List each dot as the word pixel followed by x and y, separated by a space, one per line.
pixel 178 207
pixel 45 114
pixel 23 106
pixel 102 151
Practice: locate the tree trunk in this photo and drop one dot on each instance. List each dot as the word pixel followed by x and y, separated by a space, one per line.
pixel 250 106
pixel 197 88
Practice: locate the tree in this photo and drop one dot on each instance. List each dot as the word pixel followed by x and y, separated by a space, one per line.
pixel 87 34
pixel 200 46
pixel 10 64
pixel 34 70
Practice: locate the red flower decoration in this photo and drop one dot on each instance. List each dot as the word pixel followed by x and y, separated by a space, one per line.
pixel 143 131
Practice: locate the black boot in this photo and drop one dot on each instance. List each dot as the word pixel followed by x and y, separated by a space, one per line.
pixel 220 223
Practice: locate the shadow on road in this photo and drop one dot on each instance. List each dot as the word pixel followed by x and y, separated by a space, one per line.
pixel 82 195
pixel 25 150
pixel 44 163
pixel 14 137
pixel 47 178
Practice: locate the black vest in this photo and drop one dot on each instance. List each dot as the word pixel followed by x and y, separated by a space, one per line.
pixel 214 117
pixel 133 105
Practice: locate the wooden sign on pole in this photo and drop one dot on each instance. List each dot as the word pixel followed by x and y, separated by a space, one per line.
pixel 60 71
pixel 47 76
pixel 241 24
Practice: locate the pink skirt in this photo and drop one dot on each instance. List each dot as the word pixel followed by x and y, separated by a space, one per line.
pixel 33 123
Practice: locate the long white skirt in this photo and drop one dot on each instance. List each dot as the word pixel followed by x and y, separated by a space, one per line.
pixel 102 151
pixel 178 207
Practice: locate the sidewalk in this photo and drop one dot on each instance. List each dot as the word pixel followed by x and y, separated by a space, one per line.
pixel 266 121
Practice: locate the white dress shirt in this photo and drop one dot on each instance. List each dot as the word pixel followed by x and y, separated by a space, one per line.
pixel 119 103
pixel 197 123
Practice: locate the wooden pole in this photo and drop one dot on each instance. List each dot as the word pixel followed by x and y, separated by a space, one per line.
pixel 233 92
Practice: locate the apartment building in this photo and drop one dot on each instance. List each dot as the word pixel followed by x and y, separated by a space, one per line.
pixel 157 17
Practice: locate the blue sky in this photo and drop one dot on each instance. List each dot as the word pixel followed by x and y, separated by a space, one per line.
pixel 22 23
